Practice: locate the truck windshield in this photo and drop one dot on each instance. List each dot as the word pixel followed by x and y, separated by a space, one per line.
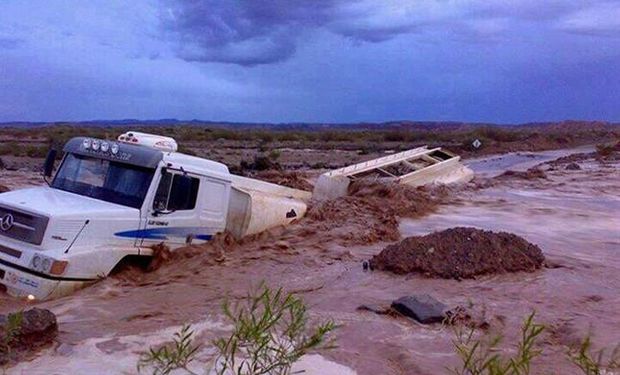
pixel 105 180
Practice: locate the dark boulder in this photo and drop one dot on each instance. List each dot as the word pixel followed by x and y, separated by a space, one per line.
pixel 423 308
pixel 573 167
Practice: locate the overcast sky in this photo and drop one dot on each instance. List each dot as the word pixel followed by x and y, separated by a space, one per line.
pixel 507 61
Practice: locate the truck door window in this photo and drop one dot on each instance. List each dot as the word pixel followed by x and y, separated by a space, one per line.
pixel 176 192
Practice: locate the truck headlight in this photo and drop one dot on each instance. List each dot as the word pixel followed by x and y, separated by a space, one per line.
pixel 36 262
pixel 44 264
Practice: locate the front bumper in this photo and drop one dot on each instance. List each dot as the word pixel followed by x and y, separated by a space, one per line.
pixel 22 284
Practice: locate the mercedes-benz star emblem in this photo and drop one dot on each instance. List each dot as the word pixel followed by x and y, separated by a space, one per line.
pixel 7 222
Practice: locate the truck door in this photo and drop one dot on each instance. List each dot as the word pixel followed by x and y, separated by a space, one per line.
pixel 174 218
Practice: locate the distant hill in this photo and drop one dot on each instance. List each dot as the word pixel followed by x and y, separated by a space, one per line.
pixel 390 125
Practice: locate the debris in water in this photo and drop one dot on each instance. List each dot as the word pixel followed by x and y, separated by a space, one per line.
pixel 460 252
pixel 530 174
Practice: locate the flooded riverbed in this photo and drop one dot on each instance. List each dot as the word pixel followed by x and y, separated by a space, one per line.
pixel 571 215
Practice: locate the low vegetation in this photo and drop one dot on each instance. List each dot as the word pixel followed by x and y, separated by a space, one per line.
pixel 34 141
pixel 8 332
pixel 270 333
pixel 592 362
pixel 483 355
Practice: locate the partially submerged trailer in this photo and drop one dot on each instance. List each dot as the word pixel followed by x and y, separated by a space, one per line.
pixel 416 167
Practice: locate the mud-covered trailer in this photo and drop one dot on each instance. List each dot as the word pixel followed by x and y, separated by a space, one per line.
pixel 415 167
pixel 256 206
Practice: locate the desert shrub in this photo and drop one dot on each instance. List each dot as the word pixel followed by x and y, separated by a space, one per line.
pixel 177 355
pixel 274 155
pixel 187 151
pixel 396 136
pixel 481 356
pixel 9 148
pixel 270 333
pixel 605 150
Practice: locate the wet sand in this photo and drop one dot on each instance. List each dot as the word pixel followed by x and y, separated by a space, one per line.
pixel 571 215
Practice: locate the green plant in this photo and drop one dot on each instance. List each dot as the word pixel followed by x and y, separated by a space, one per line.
pixel 176 355
pixel 270 334
pixel 10 330
pixel 594 363
pixel 482 356
pixel 274 155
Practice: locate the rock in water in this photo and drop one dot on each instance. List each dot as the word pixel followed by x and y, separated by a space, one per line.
pixel 573 167
pixel 423 308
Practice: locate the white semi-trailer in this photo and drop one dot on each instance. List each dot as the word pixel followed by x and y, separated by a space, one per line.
pixel 109 200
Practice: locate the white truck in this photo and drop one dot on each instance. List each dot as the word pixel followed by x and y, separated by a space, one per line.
pixel 109 200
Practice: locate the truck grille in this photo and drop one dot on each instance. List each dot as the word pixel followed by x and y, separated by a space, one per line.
pixel 22 226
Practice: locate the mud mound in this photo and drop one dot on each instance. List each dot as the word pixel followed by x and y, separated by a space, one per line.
pixel 370 212
pixel 459 253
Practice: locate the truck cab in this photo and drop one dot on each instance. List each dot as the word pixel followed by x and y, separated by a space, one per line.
pixel 113 199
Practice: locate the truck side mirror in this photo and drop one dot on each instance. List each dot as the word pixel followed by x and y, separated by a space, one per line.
pixel 50 160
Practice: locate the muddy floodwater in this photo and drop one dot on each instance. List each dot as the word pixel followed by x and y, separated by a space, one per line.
pixel 573 215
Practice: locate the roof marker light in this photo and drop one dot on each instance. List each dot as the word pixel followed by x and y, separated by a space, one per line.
pixel 86 143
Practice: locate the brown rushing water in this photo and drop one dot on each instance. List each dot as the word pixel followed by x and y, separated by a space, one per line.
pixel 572 215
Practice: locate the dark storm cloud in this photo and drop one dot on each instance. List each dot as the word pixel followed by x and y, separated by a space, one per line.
pixel 249 32
pixel 244 32
pixel 313 60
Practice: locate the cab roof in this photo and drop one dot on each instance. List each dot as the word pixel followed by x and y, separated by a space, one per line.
pixel 195 164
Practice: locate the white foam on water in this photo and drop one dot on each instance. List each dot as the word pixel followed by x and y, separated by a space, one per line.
pixel 87 358
pixel 90 357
